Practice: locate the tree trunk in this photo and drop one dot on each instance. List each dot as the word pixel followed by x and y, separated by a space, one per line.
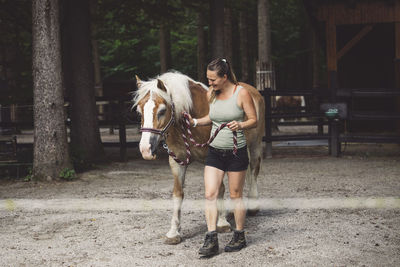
pixel 85 136
pixel 95 50
pixel 201 48
pixel 315 60
pixel 265 77
pixel 397 64
pixel 264 45
pixel 264 32
pixel 228 48
pixel 217 28
pixel 50 147
pixel 244 55
pixel 98 83
pixel 165 48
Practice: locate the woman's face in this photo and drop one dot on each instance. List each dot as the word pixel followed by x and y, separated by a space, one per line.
pixel 215 81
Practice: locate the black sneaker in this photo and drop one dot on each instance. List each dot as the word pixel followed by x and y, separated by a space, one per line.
pixel 210 246
pixel 237 243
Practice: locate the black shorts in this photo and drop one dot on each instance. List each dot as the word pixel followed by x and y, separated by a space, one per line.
pixel 226 161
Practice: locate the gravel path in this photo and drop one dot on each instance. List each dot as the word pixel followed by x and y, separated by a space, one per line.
pixel 316 211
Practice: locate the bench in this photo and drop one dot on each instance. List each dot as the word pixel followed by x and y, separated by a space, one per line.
pixel 8 153
pixel 8 149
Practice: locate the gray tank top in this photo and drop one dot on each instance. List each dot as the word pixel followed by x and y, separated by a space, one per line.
pixel 223 111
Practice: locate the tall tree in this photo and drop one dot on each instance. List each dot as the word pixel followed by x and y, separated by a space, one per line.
pixel 165 47
pixel 164 34
pixel 15 57
pixel 228 38
pixel 264 72
pixel 244 55
pixel 217 28
pixel 264 43
pixel 98 82
pixel 85 136
pixel 95 48
pixel 50 148
pixel 201 47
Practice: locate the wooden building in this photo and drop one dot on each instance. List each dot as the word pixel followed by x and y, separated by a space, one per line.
pixel 361 40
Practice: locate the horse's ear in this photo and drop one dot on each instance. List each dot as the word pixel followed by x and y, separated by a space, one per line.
pixel 138 81
pixel 161 85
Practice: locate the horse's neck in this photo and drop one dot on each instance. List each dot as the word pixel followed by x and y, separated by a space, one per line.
pixel 200 102
pixel 200 109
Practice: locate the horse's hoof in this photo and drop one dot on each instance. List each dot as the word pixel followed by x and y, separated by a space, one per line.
pixel 173 240
pixel 223 229
pixel 252 212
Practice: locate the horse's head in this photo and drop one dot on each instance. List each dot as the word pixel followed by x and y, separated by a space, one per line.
pixel 157 115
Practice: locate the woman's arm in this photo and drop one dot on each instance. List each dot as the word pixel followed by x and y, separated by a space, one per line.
pixel 245 101
pixel 204 121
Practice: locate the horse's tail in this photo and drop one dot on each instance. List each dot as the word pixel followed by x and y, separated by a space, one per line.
pixel 254 148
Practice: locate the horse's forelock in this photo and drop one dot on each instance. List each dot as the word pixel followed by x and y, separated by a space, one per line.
pixel 144 89
pixel 177 86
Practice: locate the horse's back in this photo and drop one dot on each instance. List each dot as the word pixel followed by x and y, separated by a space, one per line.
pixel 254 135
pixel 255 94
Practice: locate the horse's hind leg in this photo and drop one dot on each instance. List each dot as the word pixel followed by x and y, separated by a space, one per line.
pixel 223 225
pixel 255 153
pixel 178 171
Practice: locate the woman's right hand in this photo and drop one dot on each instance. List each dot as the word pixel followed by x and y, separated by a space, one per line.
pixel 190 118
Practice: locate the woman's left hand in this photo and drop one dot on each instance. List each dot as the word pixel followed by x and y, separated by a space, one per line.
pixel 234 125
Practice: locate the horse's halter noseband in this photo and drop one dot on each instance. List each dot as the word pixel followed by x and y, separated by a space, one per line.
pixel 165 129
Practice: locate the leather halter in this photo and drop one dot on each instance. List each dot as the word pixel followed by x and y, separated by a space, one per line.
pixel 162 131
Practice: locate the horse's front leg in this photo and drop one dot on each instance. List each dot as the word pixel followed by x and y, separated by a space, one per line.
pixel 178 171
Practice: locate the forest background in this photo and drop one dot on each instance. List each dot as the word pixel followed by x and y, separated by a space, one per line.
pixel 127 36
pixel 52 50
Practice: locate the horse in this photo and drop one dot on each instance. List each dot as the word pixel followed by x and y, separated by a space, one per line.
pixel 290 104
pixel 160 102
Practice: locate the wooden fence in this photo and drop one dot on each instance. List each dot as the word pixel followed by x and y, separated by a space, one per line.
pixel 341 99
pixel 117 114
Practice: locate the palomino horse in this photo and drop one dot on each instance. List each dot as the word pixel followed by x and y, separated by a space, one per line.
pixel 161 102
pixel 290 104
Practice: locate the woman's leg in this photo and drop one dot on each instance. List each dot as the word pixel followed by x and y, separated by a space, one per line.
pixel 212 181
pixel 236 184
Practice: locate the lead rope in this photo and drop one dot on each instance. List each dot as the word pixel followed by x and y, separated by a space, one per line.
pixel 186 128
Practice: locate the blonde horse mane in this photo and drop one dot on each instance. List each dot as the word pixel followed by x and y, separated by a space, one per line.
pixel 177 85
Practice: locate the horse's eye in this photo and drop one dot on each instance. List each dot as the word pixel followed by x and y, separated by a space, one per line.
pixel 161 113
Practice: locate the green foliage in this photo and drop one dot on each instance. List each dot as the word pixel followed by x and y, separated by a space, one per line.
pixel 290 46
pixel 16 50
pixel 29 176
pixel 184 46
pixel 128 38
pixel 287 29
pixel 67 174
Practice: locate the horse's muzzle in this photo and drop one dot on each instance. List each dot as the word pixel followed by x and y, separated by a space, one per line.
pixel 149 150
pixel 147 153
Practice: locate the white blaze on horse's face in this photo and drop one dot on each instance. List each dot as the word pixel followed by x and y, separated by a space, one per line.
pixel 151 114
pixel 146 140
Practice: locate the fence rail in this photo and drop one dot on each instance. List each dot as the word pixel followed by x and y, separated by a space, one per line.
pixel 334 136
pixel 273 115
pixel 117 110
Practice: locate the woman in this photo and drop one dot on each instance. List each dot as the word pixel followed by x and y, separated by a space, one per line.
pixel 229 103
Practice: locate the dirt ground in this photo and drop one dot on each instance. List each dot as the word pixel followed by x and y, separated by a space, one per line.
pixel 316 210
